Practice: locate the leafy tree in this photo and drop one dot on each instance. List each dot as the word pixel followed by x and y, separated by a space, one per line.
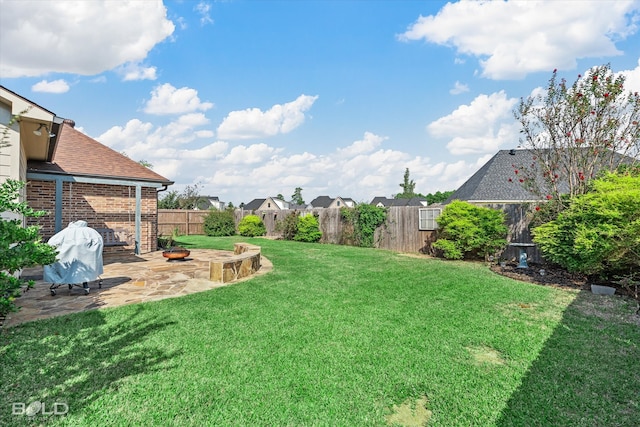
pixel 465 229
pixel 251 226
pixel 20 246
pixel 599 233
pixel 289 225
pixel 169 200
pixel 219 223
pixel 308 229
pixel 280 196
pixel 297 197
pixel 576 130
pixel 230 206
pixel 408 187
pixel 188 199
pixel 438 197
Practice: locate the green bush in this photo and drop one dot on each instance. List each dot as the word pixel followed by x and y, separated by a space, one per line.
pixel 251 226
pixel 308 229
pixel 465 229
pixel 20 246
pixel 364 219
pixel 288 226
pixel 219 223
pixel 599 233
pixel 448 248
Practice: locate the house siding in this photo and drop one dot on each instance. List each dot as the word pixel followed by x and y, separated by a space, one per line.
pixel 101 205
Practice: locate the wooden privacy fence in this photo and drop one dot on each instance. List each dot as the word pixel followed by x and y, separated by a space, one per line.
pixel 183 222
pixel 400 233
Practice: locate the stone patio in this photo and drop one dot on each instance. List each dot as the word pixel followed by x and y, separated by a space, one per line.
pixel 127 279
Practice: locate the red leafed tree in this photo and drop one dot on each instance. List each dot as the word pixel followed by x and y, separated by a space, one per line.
pixel 577 130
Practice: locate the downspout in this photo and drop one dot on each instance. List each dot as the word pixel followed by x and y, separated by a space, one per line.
pixel 164 188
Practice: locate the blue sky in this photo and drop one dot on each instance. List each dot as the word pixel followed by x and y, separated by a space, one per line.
pixel 248 99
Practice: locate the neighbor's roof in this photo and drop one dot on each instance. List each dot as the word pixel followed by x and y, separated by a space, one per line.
pixel 80 155
pixel 414 201
pixel 491 182
pixel 321 202
pixel 254 204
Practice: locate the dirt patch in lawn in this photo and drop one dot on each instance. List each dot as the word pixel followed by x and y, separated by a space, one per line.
pixel 412 412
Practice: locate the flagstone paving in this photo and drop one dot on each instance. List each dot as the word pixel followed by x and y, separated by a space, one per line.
pixel 127 279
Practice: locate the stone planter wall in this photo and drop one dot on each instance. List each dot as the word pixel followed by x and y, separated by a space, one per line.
pixel 244 262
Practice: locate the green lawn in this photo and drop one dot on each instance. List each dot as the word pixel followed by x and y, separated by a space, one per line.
pixel 335 336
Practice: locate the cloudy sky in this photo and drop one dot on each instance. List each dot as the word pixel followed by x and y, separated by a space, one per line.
pixel 248 99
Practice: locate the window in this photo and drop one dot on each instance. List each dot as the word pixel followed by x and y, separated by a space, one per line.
pixel 427 218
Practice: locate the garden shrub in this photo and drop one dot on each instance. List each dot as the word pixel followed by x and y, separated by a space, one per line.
pixel 20 246
pixel 465 229
pixel 308 229
pixel 448 249
pixel 598 234
pixel 219 223
pixel 251 226
pixel 288 226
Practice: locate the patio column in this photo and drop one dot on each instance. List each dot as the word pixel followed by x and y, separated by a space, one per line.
pixel 138 218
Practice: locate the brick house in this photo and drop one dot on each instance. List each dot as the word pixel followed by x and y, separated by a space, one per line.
pixel 87 180
pixel 73 177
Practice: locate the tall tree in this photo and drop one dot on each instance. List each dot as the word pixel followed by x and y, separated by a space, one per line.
pixel 408 187
pixel 297 196
pixel 575 131
pixel 438 196
pixel 188 199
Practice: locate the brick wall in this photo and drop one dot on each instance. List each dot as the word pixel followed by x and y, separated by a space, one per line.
pixel 101 205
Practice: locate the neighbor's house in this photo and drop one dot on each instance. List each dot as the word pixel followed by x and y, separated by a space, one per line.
pixel 326 202
pixel 209 202
pixel 270 204
pixel 383 202
pixel 73 177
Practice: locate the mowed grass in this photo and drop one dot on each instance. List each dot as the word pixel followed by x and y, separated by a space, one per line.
pixel 335 336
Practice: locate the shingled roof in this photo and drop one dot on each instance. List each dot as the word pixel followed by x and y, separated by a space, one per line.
pixel 80 155
pixel 490 184
pixel 321 202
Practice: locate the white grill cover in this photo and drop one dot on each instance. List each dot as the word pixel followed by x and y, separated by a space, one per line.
pixel 79 257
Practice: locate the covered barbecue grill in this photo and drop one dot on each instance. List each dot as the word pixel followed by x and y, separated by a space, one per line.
pixel 79 259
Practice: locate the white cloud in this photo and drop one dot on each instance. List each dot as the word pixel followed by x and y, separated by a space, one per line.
pixel 252 154
pixel 361 169
pixel 459 88
pixel 135 71
pixel 514 38
pixel 204 10
pixel 632 78
pixel 367 144
pixel 480 127
pixel 64 36
pixel 166 99
pixel 56 86
pixel 143 140
pixel 255 123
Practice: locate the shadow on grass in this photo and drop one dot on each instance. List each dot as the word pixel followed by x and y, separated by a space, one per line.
pixel 87 359
pixel 587 374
